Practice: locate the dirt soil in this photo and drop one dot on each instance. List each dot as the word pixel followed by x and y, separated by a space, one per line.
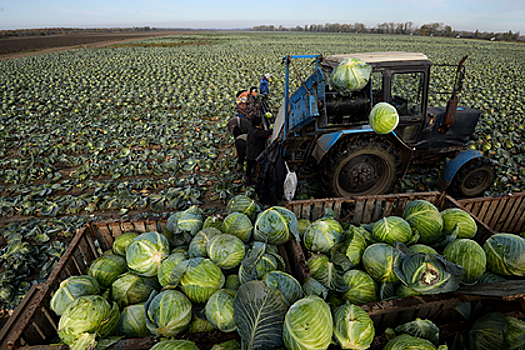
pixel 35 45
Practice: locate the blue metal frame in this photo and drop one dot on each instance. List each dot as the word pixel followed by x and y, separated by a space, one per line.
pixel 455 164
pixel 287 60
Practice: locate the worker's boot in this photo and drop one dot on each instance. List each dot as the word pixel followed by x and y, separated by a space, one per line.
pixel 238 167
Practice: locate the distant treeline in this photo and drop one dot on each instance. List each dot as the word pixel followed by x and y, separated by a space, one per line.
pixel 407 28
pixel 58 31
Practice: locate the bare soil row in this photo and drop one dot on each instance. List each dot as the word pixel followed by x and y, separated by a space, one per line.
pixel 23 46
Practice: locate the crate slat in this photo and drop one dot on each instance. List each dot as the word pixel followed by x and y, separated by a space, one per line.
pixel 497 208
pixel 103 234
pixel 514 213
pixel 368 210
pixel 318 211
pixel 508 207
pixel 126 227
pixel 504 213
pixel 387 210
pixel 358 212
pixel 305 212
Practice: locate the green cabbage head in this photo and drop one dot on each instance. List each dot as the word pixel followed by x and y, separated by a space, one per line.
pixel 405 342
pixel 489 332
pixel 515 333
pixel 121 242
pixel 425 219
pixel 197 246
pixel 322 235
pixel 238 224
pixel 107 268
pixel 146 252
pixel 353 327
pixel 361 288
pixel 130 288
pixel 198 278
pixel 276 225
pixel 458 221
pixel 324 271
pixel 88 314
pixel 72 288
pixel 378 261
pixel 168 313
pixel 308 325
pixel 289 287
pixel 241 204
pixel 350 75
pixel 392 229
pixel 425 329
pixel 383 118
pixel 219 310
pixel 225 250
pixel 469 254
pixel 168 265
pixel 175 345
pixel 132 322
pixel 505 254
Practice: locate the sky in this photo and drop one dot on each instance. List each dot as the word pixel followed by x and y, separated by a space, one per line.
pixel 484 15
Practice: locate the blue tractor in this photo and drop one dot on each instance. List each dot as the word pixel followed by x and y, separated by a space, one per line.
pixel 330 133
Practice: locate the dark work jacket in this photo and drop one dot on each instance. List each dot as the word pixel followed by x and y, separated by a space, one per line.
pixel 253 107
pixel 270 183
pixel 238 126
pixel 256 142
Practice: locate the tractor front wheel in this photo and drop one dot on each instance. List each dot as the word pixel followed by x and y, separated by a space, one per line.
pixel 473 178
pixel 360 166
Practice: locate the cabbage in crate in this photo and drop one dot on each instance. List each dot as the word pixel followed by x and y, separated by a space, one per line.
pixel 353 327
pixel 72 288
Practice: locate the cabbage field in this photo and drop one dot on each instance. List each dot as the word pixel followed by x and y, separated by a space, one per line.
pixel 139 129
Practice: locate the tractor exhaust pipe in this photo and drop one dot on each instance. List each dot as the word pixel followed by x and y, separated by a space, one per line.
pixel 452 104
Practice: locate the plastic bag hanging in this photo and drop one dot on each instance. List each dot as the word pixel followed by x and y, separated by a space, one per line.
pixel 290 183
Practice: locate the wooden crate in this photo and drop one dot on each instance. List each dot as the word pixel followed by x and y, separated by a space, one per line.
pixel 33 326
pixel 439 308
pixel 504 214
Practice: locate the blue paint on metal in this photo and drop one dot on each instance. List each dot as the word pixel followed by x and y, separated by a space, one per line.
pixel 302 104
pixel 314 111
pixel 327 141
pixel 303 56
pixel 455 164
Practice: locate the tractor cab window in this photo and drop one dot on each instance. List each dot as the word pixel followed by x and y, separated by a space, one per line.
pixel 406 93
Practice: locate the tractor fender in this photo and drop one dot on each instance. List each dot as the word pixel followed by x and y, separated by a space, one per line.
pixel 325 142
pixel 454 165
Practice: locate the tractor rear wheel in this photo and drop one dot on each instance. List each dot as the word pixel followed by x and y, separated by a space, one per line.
pixel 473 178
pixel 360 166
